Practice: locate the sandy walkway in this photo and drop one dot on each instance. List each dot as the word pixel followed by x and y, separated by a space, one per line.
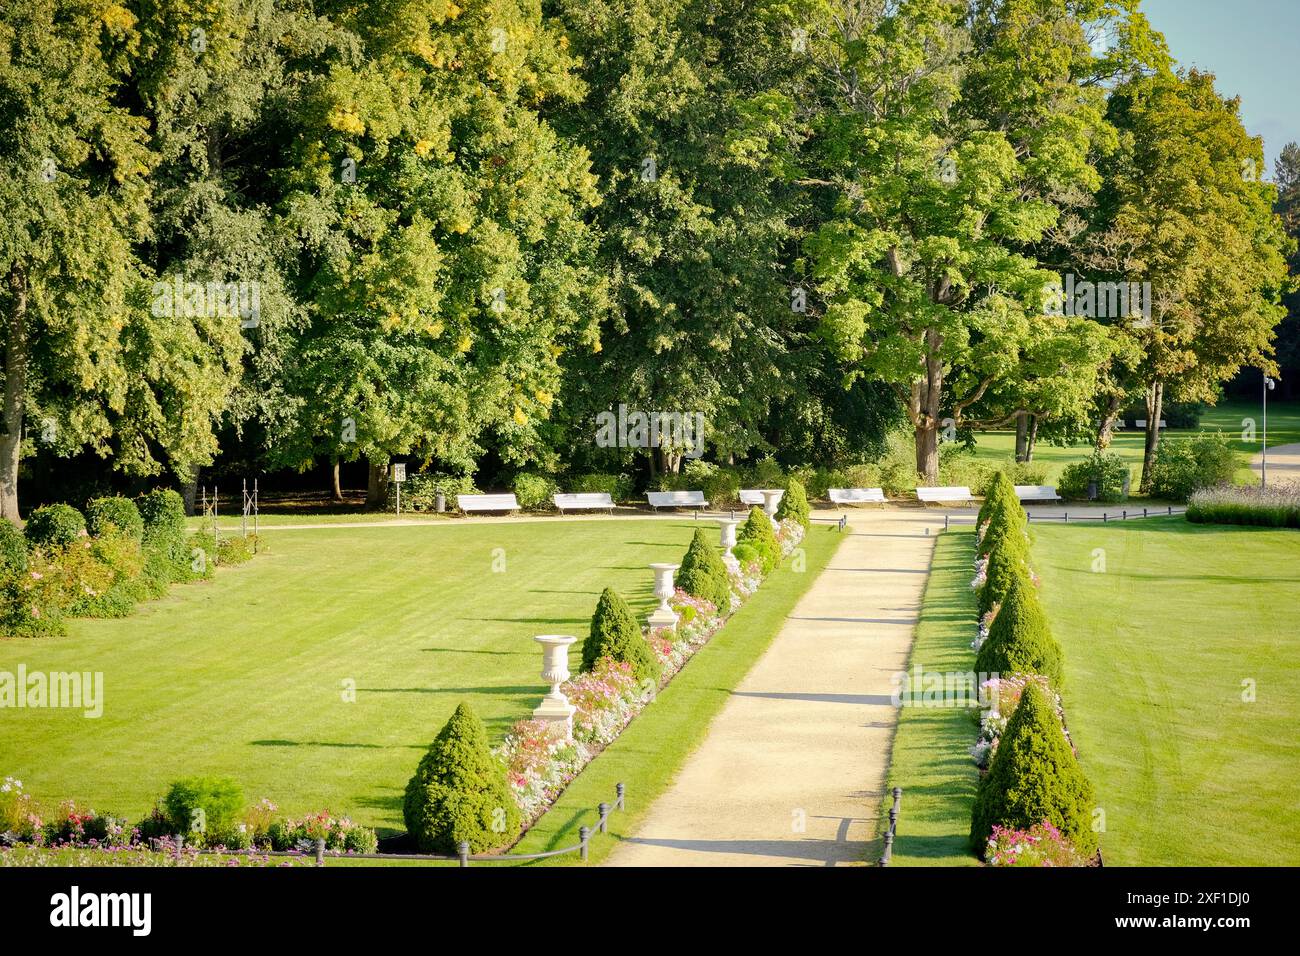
pixel 793 768
pixel 1283 464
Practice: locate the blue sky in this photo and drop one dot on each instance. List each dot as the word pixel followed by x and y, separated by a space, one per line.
pixel 1252 47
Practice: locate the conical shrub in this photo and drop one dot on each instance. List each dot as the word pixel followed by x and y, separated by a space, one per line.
pixel 757 532
pixel 616 634
pixel 1033 777
pixel 1005 564
pixel 794 503
pixel 703 574
pixel 1006 526
pixel 1020 640
pixel 999 492
pixel 459 792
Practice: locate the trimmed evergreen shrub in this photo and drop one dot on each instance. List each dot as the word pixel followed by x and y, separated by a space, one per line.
pixel 744 552
pixel 1020 640
pixel 459 792
pixel 533 492
pixel 1005 529
pixel 208 805
pixel 1000 492
pixel 164 538
pixel 703 574
pixel 1005 565
pixel 616 634
pixel 757 532
pixel 1108 470
pixel 1033 777
pixel 794 503
pixel 13 549
pixel 54 526
pixel 105 515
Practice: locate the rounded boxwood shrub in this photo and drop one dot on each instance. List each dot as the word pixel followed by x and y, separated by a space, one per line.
pixel 459 792
pixel 616 634
pixel 108 515
pixel 533 492
pixel 54 526
pixel 1020 640
pixel 13 549
pixel 163 513
pixel 208 805
pixel 703 574
pixel 757 532
pixel 1033 777
pixel 794 503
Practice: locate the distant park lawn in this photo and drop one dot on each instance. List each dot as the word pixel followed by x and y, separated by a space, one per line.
pixel 243 676
pixel 1158 647
pixel 1227 417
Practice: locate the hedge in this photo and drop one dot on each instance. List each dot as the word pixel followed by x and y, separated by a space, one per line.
pixel 54 526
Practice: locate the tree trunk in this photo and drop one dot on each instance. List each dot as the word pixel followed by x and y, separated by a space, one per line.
pixel 926 396
pixel 927 450
pixel 1033 439
pixel 1155 405
pixel 15 398
pixel 1106 430
pixel 190 491
pixel 377 485
pixel 336 488
pixel 1022 436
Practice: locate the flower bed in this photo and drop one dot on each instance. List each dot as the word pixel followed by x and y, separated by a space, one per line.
pixel 1040 845
pixel 539 765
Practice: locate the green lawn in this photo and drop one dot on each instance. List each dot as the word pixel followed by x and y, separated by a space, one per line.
pixel 1157 648
pixel 243 676
pixel 649 752
pixel 1227 417
pixel 930 758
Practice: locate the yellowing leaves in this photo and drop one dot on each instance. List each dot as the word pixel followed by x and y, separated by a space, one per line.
pixel 345 120
pixel 464 344
pixel 117 18
pixel 519 416
pixel 543 397
pixel 424 147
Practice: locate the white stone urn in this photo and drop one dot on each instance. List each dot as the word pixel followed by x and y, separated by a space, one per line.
pixel 555 708
pixel 771 498
pixel 663 615
pixel 728 526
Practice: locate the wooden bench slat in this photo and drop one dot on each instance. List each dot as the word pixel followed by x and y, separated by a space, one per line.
pixel 487 502
pixel 946 493
pixel 852 496
pixel 579 500
pixel 676 499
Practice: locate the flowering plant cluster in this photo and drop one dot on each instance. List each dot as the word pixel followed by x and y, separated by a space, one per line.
pixel 1003 694
pixel 789 532
pixel 539 763
pixel 339 833
pixel 1040 845
pixel 981 573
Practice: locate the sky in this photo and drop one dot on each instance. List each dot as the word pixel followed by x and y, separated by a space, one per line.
pixel 1252 47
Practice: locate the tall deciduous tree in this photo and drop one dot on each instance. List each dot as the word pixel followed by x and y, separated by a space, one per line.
pixel 74 198
pixel 444 250
pixel 955 137
pixel 1186 210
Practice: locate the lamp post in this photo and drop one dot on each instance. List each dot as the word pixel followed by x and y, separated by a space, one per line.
pixel 1263 455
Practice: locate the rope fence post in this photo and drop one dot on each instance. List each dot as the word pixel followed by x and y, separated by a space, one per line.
pixel 584 836
pixel 603 809
pixel 619 792
pixel 462 851
pixel 320 851
pixel 887 851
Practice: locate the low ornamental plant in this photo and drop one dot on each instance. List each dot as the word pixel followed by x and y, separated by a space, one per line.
pixel 757 533
pixel 1041 845
pixel 616 634
pixel 1275 507
pixel 702 572
pixel 794 504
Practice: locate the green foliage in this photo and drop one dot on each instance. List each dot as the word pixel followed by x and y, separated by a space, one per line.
pixel 104 580
pixel 211 806
pixel 1269 507
pixel 1020 640
pixel 703 574
pixel 104 515
pixel 744 552
pixel 54 526
pixel 1185 465
pixel 757 533
pixel 616 634
pixel 459 793
pixel 1006 564
pixel 1033 777
pixel 794 503
pixel 533 491
pixel 13 549
pixel 1109 470
pixel 1000 492
pixel 166 551
pixel 618 487
pixel 720 484
pixel 235 550
pixel 958 466
pixel 1006 527
pixel 420 490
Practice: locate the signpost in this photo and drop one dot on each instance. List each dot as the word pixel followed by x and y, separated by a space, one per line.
pixel 399 476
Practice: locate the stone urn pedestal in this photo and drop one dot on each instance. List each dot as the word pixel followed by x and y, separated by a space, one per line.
pixel 771 498
pixel 555 708
pixel 663 615
pixel 728 526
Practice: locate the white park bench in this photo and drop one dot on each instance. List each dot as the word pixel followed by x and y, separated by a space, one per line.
pixel 676 499
pixel 1036 493
pixel 948 493
pixel 754 496
pixel 856 496
pixel 1142 423
pixel 584 501
pixel 468 503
